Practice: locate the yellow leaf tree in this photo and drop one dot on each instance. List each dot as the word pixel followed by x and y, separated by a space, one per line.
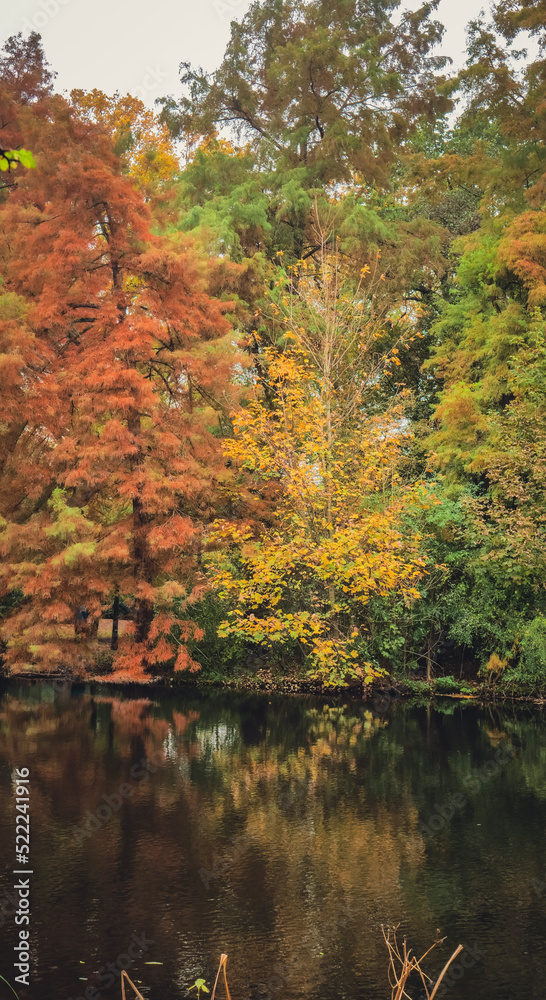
pixel 137 135
pixel 319 430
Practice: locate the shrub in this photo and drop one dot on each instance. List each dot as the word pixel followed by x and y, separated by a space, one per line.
pixel 531 669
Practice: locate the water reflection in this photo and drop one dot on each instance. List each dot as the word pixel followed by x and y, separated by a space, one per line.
pixel 281 831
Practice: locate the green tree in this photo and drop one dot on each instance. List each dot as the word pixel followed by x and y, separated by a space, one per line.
pixel 327 87
pixel 323 96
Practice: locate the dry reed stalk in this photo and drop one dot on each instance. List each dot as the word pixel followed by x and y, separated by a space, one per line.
pixel 221 967
pixel 402 964
pixel 223 962
pixel 408 964
pixel 124 977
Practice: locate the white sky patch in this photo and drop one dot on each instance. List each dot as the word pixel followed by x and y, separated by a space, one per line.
pixel 136 47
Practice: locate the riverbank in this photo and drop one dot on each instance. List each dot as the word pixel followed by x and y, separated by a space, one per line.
pixel 380 694
pixel 383 692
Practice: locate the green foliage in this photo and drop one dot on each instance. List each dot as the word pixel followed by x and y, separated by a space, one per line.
pixel 9 602
pixel 530 672
pixel 220 195
pixel 440 686
pixel 199 985
pixel 449 685
pixel 323 86
pixel 219 657
pixel 10 158
pixel 417 687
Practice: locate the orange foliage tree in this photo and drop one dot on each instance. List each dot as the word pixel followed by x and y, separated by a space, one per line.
pixel 115 362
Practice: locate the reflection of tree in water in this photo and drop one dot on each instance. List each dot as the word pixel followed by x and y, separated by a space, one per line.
pixel 253 716
pixel 283 831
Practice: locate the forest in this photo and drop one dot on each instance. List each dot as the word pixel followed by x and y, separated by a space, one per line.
pixel 273 359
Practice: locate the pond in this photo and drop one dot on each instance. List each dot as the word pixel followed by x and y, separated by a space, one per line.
pixel 284 831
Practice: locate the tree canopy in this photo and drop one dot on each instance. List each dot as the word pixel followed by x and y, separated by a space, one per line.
pixel 272 355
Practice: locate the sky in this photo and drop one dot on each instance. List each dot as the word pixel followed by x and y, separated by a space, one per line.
pixel 136 46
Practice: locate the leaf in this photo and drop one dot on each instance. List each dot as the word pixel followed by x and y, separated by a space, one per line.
pixel 26 158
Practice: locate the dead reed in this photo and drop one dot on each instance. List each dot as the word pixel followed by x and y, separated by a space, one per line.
pixel 402 965
pixel 221 968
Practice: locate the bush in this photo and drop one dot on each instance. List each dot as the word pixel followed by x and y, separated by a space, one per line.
pixel 219 658
pixel 530 672
pixel 448 685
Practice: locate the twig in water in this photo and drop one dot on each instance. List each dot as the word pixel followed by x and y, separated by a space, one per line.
pixel 124 977
pixel 402 964
pixel 223 960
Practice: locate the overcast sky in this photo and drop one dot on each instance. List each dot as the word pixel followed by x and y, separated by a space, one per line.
pixel 136 46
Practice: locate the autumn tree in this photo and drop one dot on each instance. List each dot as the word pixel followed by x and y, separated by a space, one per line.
pixel 25 76
pixel 321 98
pixel 25 73
pixel 486 317
pixel 511 519
pixel 334 455
pixel 138 137
pixel 320 103
pixel 482 332
pixel 115 362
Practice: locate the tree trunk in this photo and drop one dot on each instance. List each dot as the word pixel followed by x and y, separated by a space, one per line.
pixel 85 626
pixel 429 659
pixel 142 560
pixel 115 622
pixel 143 619
pixel 144 609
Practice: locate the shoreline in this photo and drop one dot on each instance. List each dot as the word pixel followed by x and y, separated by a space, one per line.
pixel 387 693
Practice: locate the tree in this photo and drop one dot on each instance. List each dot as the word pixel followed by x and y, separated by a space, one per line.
pixel 25 74
pixel 116 359
pixel 324 100
pixel 334 457
pixel 511 519
pixel 221 196
pixel 137 136
pixel 492 79
pixel 328 88
pixel 25 77
pixel 10 160
pixel 323 97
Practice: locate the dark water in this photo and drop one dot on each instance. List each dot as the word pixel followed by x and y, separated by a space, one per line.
pixel 281 831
